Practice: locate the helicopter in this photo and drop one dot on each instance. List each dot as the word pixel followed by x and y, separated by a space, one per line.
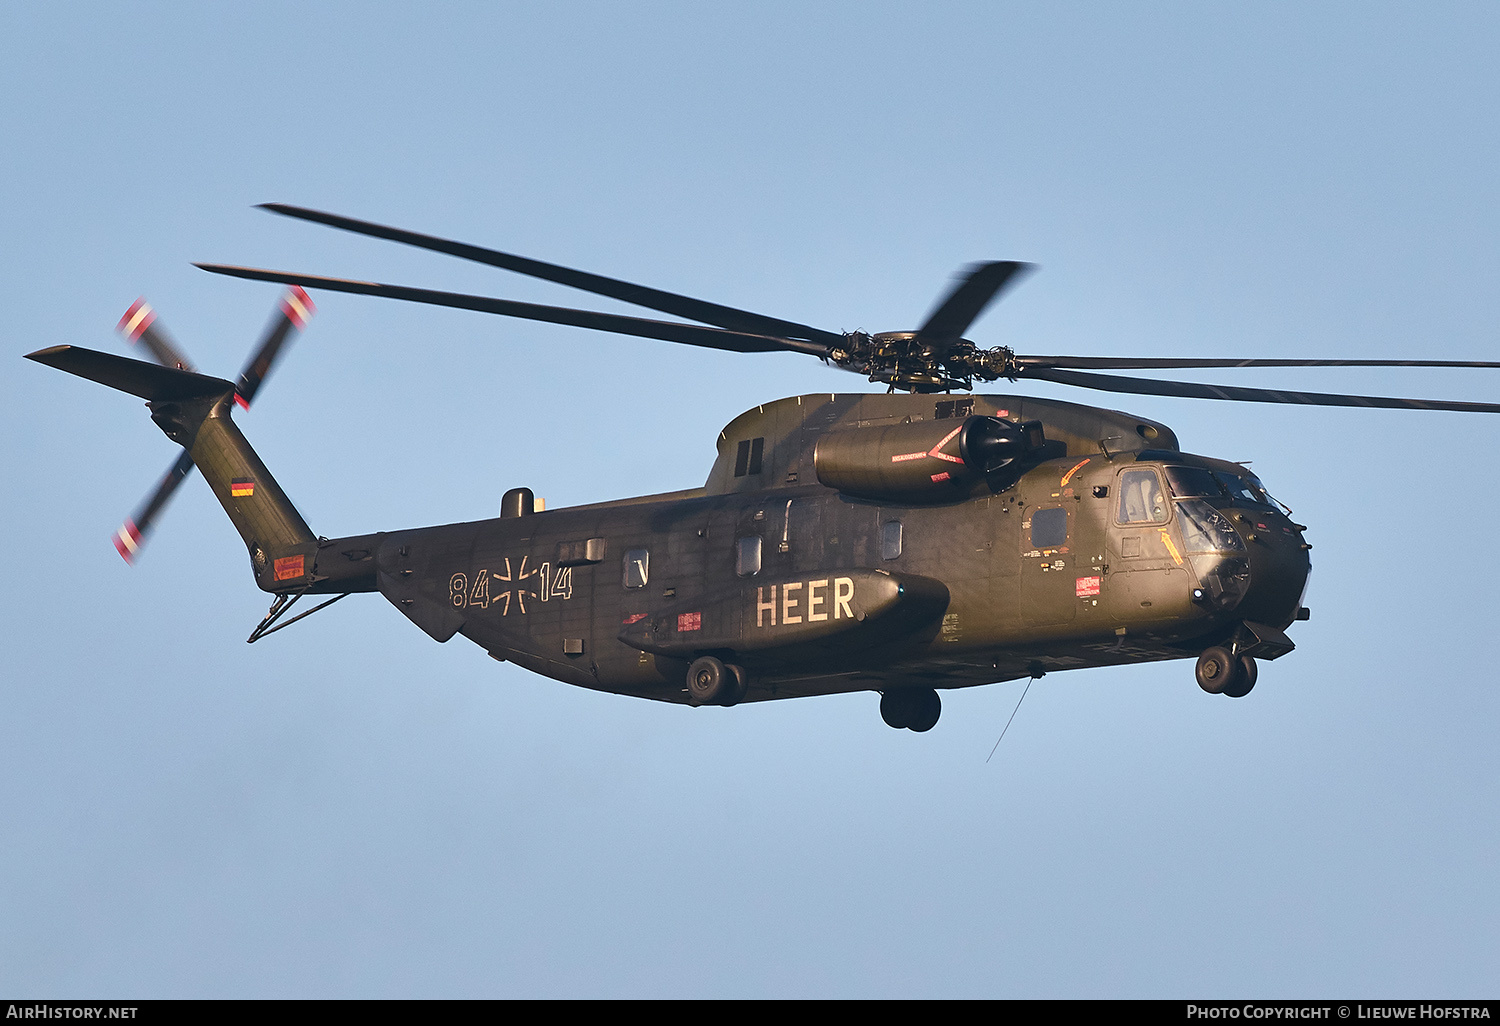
pixel 928 538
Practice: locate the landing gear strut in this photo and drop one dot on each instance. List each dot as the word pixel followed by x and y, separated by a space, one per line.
pixel 915 709
pixel 1220 672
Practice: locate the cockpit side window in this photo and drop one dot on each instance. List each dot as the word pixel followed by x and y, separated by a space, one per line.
pixel 1141 499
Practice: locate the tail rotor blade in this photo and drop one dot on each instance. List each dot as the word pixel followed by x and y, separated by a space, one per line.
pixel 140 325
pixel 295 310
pixel 132 533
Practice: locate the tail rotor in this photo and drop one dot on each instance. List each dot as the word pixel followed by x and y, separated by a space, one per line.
pixel 140 325
pixel 293 313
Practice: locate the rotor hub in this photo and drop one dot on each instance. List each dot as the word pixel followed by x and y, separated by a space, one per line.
pixel 907 360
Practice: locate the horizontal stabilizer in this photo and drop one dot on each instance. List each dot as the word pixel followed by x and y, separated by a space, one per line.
pixel 146 380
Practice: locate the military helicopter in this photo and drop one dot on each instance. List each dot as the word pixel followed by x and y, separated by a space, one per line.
pixel 902 543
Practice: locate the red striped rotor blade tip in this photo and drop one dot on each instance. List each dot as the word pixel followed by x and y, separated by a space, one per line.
pixel 136 320
pixel 128 541
pixel 298 306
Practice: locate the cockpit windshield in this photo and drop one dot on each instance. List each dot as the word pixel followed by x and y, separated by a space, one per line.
pixel 1198 483
pixel 1192 482
pixel 1205 529
pixel 1243 487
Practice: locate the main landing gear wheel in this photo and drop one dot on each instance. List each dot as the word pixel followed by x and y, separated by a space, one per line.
pixel 711 682
pixel 1244 680
pixel 1216 669
pixel 915 709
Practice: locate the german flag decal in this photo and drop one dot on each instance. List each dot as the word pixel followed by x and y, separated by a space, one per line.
pixel 288 568
pixel 241 487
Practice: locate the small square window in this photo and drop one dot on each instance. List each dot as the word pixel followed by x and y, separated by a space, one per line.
pixel 1049 528
pixel 748 456
pixel 890 540
pixel 947 408
pixel 747 556
pixel 637 568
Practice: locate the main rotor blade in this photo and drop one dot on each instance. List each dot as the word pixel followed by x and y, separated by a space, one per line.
pixel 132 533
pixel 966 300
pixel 139 325
pixel 1194 390
pixel 1131 362
pixel 689 334
pixel 294 311
pixel 637 295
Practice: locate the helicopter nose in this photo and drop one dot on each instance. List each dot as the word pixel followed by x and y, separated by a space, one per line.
pixel 1279 567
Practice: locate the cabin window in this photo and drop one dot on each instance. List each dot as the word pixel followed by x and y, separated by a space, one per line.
pixel 1049 528
pixel 580 553
pixel 748 456
pixel 1141 500
pixel 637 568
pixel 947 408
pixel 890 540
pixel 747 556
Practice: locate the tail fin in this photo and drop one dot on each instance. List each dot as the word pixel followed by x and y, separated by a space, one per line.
pixel 194 411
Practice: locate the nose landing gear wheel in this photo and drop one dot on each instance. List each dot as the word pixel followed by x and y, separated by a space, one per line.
pixel 1244 680
pixel 1216 669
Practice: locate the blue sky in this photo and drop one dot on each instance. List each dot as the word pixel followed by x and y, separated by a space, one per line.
pixel 348 809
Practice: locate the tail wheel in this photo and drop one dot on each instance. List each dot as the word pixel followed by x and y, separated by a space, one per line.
pixel 1216 669
pixel 1245 679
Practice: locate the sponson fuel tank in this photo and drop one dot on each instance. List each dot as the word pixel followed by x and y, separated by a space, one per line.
pixel 925 460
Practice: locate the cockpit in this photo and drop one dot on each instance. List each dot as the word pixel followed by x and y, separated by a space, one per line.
pixel 1200 482
pixel 1206 499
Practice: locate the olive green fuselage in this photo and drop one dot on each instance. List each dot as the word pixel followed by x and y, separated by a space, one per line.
pixel 1054 564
